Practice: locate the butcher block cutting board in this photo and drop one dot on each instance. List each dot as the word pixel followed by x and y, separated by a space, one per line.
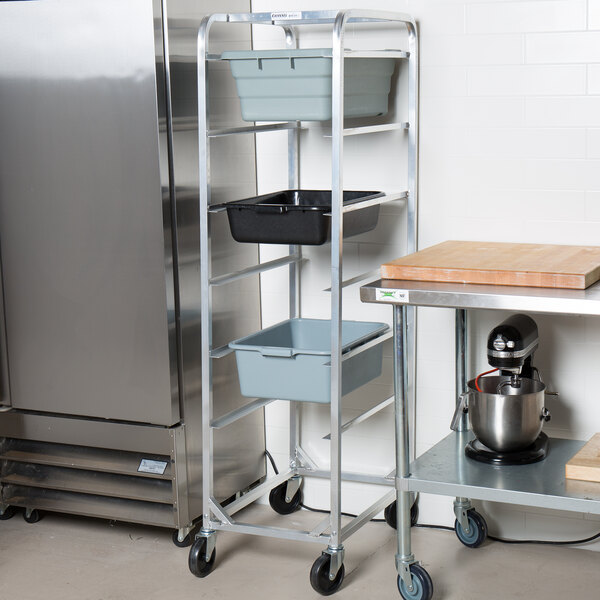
pixel 586 463
pixel 500 263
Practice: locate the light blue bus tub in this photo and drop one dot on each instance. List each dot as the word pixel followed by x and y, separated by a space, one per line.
pixel 291 360
pixel 295 85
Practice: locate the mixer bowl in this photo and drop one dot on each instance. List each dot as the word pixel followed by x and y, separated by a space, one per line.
pixel 506 418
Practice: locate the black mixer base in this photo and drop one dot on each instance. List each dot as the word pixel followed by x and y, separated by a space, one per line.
pixel 534 453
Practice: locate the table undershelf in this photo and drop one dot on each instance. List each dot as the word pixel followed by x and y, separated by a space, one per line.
pixel 445 470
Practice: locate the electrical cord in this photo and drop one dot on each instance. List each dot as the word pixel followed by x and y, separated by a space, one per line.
pixel 272 461
pixel 427 526
pixel 344 514
pixel 505 541
pixel 448 528
pixel 491 537
pixel 547 542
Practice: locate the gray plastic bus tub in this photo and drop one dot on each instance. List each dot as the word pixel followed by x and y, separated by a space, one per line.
pixel 291 360
pixel 295 85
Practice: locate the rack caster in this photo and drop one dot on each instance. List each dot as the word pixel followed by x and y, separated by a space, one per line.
pixel 8 513
pixel 391 518
pixel 476 533
pixel 286 498
pixel 422 586
pixel 188 538
pixel 321 573
pixel 198 562
pixel 32 515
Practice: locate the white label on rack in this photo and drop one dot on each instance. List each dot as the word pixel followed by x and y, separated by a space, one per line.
pixel 156 467
pixel 286 16
pixel 383 295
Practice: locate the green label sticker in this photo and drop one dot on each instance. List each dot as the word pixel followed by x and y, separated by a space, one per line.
pixel 383 295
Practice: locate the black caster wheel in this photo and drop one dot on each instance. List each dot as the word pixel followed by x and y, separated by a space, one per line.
pixel 414 514
pixel 34 516
pixel 187 540
pixel 278 502
pixel 477 530
pixel 391 518
pixel 8 513
pixel 319 576
pixel 196 561
pixel 421 582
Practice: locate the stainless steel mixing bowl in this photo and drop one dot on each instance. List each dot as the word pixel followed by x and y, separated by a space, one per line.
pixel 506 418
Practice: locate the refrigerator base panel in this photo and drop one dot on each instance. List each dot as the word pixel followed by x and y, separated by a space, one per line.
pixel 125 472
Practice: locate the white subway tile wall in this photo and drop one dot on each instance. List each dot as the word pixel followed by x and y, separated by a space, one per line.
pixel 525 17
pixel 593 14
pixel 527 80
pixel 509 151
pixel 560 48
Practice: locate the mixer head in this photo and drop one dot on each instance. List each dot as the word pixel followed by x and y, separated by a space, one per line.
pixel 511 344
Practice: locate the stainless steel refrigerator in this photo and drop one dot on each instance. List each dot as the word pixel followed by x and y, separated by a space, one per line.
pixel 99 250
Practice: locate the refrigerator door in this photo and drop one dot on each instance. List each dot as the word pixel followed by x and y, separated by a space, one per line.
pixel 85 219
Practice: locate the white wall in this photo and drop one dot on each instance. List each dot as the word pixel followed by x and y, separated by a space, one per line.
pixel 509 151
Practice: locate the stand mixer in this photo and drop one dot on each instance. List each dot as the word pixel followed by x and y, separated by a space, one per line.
pixel 510 347
pixel 507 411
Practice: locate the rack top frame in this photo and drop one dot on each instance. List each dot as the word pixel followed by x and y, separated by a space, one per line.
pixel 314 17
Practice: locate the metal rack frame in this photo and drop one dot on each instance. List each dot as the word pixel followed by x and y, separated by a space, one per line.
pixel 215 516
pixel 444 469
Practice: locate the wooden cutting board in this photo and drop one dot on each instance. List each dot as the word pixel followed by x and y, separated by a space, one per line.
pixel 586 463
pixel 500 263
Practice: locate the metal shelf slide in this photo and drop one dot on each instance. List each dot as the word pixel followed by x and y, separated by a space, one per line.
pixel 328 571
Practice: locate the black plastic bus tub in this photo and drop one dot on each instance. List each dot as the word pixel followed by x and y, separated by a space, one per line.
pixel 297 217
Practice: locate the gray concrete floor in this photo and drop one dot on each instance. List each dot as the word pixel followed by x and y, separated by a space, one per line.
pixel 71 558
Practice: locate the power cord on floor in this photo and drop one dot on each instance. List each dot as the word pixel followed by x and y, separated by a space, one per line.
pixel 427 526
pixel 505 541
pixel 446 527
pixel 547 542
pixel 344 514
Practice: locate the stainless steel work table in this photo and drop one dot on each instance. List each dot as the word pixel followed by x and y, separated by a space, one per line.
pixel 444 469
